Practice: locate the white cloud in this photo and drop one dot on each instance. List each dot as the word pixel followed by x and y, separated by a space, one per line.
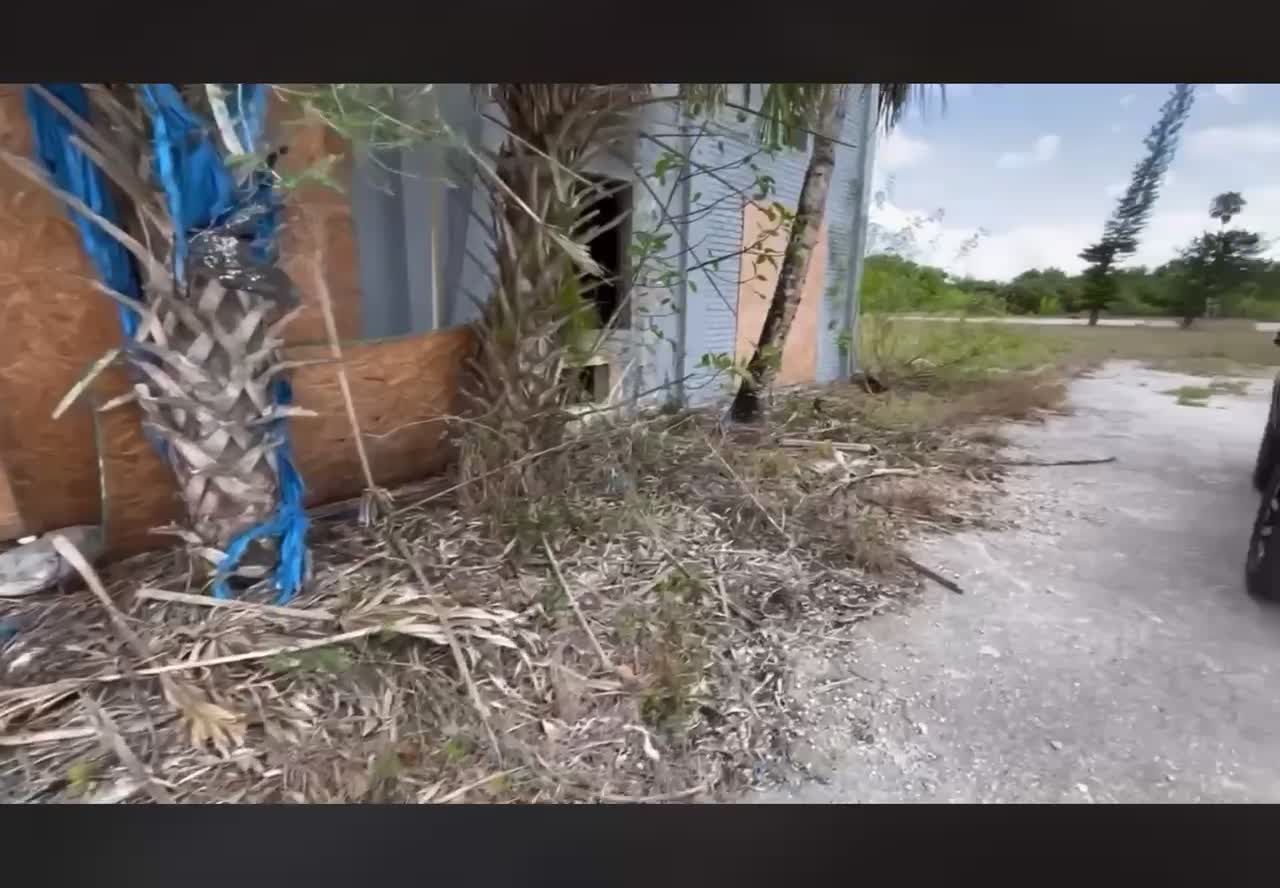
pixel 1249 138
pixel 1043 150
pixel 899 151
pixel 1117 128
pixel 1128 99
pixel 1235 93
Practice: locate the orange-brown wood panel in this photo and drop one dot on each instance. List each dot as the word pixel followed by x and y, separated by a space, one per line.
pixel 758 280
pixel 53 324
pixel 401 389
pixel 11 526
pixel 318 226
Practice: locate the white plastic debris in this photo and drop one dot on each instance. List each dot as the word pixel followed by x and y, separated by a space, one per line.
pixel 34 567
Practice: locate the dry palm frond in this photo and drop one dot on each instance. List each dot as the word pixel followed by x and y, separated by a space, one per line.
pixel 648 657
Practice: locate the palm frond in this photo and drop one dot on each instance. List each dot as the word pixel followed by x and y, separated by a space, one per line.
pixel 895 98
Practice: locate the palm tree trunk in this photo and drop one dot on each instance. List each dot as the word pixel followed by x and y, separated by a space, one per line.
pixel 796 261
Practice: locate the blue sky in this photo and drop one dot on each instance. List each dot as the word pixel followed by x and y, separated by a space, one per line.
pixel 1037 168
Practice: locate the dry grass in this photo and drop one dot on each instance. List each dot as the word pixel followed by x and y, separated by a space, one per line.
pixel 1208 348
pixel 627 639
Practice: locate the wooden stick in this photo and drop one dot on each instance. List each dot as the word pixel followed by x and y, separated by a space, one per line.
pixel 845 446
pixel 319 615
pixel 115 742
pixel 474 784
pixel 573 602
pixel 71 683
pixel 460 661
pixel 663 797
pixel 57 735
pixel 72 556
pixel 1056 462
pixel 931 574
pixel 881 473
pixel 748 491
pixel 335 350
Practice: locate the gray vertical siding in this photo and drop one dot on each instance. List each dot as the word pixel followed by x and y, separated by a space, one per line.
pixel 712 318
pixel 840 217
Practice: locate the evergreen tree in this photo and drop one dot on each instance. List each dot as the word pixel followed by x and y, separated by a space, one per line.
pixel 1217 261
pixel 1133 209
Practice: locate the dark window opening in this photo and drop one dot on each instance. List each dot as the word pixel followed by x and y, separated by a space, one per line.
pixel 586 385
pixel 609 250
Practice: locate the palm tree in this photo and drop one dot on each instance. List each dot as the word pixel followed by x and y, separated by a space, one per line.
pixel 203 330
pixel 543 218
pixel 1226 205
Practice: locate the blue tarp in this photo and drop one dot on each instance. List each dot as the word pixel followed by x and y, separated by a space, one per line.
pixel 203 200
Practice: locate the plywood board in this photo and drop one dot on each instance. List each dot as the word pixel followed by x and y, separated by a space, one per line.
pixel 318 226
pixel 402 388
pixel 757 280
pixel 53 325
pixel 11 526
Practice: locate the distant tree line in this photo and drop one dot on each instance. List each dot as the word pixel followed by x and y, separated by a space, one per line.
pixel 1220 273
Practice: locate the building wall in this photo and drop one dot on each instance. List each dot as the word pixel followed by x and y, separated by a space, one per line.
pixel 403 220
pixel 713 309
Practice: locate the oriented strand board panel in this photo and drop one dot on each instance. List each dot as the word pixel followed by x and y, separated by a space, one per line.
pixel 401 389
pixel 11 526
pixel 800 357
pixel 318 226
pixel 53 324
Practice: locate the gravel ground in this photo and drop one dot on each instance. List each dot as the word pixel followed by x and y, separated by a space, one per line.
pixel 1106 651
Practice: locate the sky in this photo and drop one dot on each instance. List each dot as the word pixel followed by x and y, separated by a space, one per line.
pixel 1034 170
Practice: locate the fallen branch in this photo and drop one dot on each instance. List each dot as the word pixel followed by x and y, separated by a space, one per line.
pixel 663 797
pixel 58 735
pixel 206 720
pixel 1055 462
pixel 930 573
pixel 148 594
pixel 881 473
pixel 475 784
pixel 112 739
pixel 460 660
pixel 108 678
pixel 573 603
pixel 749 492
pixel 843 446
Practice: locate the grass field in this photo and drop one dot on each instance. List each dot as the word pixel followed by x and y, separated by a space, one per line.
pixel 897 347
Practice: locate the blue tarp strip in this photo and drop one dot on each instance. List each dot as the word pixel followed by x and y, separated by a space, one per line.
pixel 76 174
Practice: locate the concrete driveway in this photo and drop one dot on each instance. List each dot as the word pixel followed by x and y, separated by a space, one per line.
pixel 1106 651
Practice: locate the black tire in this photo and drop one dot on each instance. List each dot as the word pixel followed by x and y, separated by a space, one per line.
pixel 1266 459
pixel 1268 452
pixel 1262 563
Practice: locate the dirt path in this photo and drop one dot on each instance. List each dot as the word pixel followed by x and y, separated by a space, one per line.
pixel 1106 651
